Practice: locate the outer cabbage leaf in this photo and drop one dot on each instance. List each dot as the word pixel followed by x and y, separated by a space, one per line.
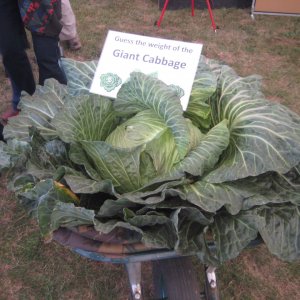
pixel 149 219
pixel 274 188
pixel 42 198
pixel 145 92
pixel 13 155
pixel 47 202
pixel 81 184
pixel 37 110
pixel 46 156
pixel 281 231
pixel 79 75
pixel 29 192
pixel 190 226
pixel 68 215
pixel 110 225
pixel 243 194
pixel 86 117
pixel 157 229
pixel 233 233
pixel 279 227
pixel 5 162
pixel 150 198
pixel 212 197
pixel 111 208
pixel 181 230
pixel 160 236
pixel 264 136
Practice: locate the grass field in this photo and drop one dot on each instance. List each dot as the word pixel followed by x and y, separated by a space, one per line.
pixel 268 46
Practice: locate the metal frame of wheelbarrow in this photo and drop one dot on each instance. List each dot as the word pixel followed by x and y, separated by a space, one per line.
pixel 174 275
pixel 133 264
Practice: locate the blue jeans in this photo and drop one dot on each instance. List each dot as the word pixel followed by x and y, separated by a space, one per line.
pixel 48 57
pixel 16 94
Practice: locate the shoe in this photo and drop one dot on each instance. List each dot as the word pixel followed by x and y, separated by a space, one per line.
pixel 74 44
pixel 9 113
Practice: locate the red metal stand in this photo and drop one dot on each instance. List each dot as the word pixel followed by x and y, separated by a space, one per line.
pixel 213 24
pixel 193 7
pixel 193 13
pixel 162 13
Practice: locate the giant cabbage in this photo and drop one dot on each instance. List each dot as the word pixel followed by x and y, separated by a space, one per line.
pixel 226 170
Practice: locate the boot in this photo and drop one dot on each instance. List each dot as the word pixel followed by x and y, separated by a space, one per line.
pixel 9 113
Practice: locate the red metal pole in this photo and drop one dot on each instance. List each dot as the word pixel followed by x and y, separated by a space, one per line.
pixel 211 15
pixel 162 13
pixel 193 7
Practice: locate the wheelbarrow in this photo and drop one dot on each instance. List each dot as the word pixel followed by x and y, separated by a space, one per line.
pixel 174 276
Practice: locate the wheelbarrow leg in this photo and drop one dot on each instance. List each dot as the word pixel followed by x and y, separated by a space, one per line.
pixel 134 271
pixel 211 288
pixel 211 276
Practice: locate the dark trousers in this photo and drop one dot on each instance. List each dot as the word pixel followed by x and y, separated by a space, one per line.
pixel 47 54
pixel 12 47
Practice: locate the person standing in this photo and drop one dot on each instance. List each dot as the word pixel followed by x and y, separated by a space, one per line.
pixel 42 19
pixel 69 33
pixel 13 43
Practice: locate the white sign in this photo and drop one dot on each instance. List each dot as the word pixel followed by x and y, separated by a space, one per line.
pixel 173 62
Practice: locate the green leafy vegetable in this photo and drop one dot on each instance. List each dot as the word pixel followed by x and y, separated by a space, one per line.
pixel 224 171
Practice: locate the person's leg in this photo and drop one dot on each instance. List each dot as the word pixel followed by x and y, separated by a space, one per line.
pixel 16 95
pixel 17 65
pixel 14 56
pixel 47 54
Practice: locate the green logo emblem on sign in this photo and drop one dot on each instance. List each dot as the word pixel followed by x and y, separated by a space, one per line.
pixel 110 81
